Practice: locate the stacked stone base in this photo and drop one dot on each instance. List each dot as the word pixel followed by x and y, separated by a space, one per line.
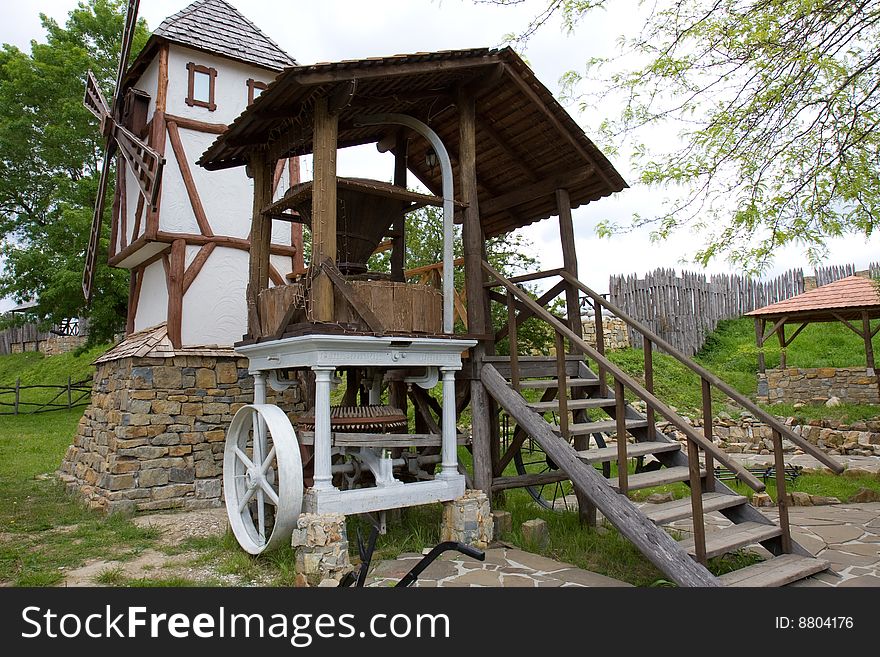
pixel 153 436
pixel 816 385
pixel 468 519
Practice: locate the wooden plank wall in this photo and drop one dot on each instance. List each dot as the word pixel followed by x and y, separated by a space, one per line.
pixel 684 308
pixel 29 333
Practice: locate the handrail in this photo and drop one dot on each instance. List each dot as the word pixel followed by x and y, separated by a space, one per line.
pixel 705 374
pixel 621 376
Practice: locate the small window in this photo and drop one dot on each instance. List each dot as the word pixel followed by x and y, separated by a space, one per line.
pixel 255 88
pixel 200 91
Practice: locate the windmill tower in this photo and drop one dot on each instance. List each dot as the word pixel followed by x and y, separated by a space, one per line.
pixel 164 396
pixel 185 240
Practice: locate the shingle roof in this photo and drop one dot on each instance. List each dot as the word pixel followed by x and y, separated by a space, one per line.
pixel 217 27
pixel 153 342
pixel 527 145
pixel 852 292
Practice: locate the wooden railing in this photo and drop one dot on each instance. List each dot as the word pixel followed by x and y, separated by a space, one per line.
pixel 518 298
pixel 75 393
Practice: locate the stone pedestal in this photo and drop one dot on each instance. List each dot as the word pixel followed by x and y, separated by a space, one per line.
pixel 153 435
pixel 320 544
pixel 468 519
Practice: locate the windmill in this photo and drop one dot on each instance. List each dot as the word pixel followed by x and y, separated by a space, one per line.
pixel 145 162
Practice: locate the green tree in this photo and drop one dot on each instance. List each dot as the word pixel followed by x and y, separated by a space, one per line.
pixel 50 158
pixel 776 102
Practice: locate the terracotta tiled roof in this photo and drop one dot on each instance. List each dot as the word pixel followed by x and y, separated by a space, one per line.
pixel 847 293
pixel 216 26
pixel 153 342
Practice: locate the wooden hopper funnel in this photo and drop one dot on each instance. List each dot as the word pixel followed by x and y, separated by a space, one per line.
pixel 365 211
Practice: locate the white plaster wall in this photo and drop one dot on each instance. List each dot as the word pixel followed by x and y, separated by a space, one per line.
pixel 226 195
pixel 152 307
pixel 230 90
pixel 175 210
pixel 149 83
pixel 214 310
pixel 191 252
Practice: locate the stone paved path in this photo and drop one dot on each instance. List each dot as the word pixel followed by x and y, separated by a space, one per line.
pixel 504 566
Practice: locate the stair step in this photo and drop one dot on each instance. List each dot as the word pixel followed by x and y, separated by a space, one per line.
pixel 734 537
pixel 667 512
pixel 656 477
pixel 778 571
pixel 573 404
pixel 543 384
pixel 603 454
pixel 602 426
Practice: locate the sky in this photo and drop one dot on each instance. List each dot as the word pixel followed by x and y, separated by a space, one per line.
pixel 332 30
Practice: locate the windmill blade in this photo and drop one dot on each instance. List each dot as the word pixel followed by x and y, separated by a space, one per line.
pixel 127 39
pixel 94 100
pixel 88 281
pixel 144 162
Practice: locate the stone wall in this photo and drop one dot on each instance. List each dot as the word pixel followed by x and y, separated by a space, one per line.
pixel 614 332
pixel 817 385
pixel 57 344
pixel 746 434
pixel 153 435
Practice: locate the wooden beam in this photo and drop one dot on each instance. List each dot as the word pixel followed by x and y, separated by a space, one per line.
pixel 569 259
pixel 525 313
pixel 196 265
pixel 775 328
pixel 796 333
pixel 162 87
pixel 477 307
pixel 653 541
pixel 564 130
pixel 157 141
pixel 536 190
pixel 362 309
pixel 398 252
pixel 192 191
pixel 846 323
pixel 175 291
pixel 323 208
pixel 134 292
pixel 519 161
pixel 759 343
pixel 869 347
pixel 197 126
pixel 260 240
pixel 296 231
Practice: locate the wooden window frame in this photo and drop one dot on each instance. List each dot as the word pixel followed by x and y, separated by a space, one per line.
pixel 193 68
pixel 252 85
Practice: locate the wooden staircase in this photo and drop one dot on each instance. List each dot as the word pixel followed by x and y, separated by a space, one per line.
pixel 580 406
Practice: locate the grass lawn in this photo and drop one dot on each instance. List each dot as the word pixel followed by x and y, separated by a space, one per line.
pixel 44 529
pixel 730 353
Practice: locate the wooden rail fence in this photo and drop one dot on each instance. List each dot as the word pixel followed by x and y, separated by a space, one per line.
pixel 684 308
pixel 75 393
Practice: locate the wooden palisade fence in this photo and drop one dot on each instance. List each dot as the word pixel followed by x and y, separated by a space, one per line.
pixel 75 393
pixel 684 308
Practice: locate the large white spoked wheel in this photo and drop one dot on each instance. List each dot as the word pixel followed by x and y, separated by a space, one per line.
pixel 262 477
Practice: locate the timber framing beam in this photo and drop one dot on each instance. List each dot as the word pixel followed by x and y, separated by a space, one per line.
pixel 536 190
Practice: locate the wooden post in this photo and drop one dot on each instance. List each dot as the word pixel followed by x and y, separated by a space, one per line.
pixel 512 339
pixel 780 332
pixel 620 416
pixel 398 241
pixel 69 399
pixel 600 347
pixel 177 264
pixel 759 341
pixel 472 238
pixel 323 208
pixel 648 347
pixel 707 432
pixel 569 260
pixel 17 392
pixel 781 501
pixel 260 236
pixel 693 452
pixel 561 396
pixel 869 349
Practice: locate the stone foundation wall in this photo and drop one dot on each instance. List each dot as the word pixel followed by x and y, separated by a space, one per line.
pixel 153 435
pixel 746 434
pixel 817 385
pixel 53 346
pixel 614 332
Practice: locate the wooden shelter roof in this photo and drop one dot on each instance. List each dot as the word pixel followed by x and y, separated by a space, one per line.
pixel 527 144
pixel 847 298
